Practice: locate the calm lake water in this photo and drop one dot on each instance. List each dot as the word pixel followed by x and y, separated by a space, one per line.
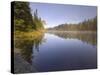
pixel 56 51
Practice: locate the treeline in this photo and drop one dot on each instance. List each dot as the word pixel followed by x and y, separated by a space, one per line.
pixel 23 19
pixel 38 22
pixel 88 25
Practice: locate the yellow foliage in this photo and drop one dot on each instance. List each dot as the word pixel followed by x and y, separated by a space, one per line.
pixel 28 35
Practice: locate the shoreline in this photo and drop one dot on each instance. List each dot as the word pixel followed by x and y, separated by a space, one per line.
pixel 57 31
pixel 20 65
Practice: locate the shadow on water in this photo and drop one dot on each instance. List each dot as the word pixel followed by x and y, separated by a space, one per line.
pixel 26 47
pixel 87 37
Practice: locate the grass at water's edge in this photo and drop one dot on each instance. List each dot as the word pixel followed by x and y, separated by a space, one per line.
pixel 28 35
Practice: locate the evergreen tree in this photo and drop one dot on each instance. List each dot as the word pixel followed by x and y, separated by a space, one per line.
pixel 22 16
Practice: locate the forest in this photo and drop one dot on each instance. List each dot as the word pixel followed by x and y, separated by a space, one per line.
pixel 23 19
pixel 86 25
pixel 26 25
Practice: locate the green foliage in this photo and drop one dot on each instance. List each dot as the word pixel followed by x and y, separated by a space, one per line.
pixel 37 21
pixel 22 16
pixel 23 19
pixel 19 24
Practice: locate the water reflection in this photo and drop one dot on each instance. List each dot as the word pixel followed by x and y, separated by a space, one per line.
pixel 57 54
pixel 60 53
pixel 88 37
pixel 26 47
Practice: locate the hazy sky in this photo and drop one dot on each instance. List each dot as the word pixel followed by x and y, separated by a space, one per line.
pixel 55 14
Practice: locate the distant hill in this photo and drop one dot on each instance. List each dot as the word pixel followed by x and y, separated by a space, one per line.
pixel 87 25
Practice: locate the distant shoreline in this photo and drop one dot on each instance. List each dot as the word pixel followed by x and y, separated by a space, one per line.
pixel 71 31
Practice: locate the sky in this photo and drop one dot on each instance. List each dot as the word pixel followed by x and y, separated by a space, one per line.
pixel 56 14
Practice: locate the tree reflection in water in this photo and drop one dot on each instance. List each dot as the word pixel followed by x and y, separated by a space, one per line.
pixel 26 47
pixel 88 37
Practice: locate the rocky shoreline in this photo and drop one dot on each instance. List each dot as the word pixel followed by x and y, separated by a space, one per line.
pixel 20 65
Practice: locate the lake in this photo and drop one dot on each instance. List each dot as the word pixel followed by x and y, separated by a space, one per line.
pixel 57 51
